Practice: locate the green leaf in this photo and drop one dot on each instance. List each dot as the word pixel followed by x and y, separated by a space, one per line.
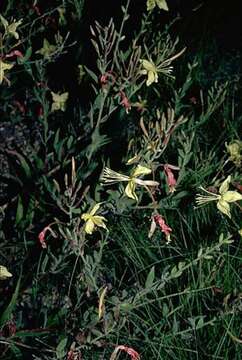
pixel 20 211
pixel 26 57
pixel 91 74
pixel 7 314
pixel 16 351
pixel 150 278
pixel 60 350
pixel 23 163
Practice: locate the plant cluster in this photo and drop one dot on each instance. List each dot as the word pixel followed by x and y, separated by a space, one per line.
pixel 120 196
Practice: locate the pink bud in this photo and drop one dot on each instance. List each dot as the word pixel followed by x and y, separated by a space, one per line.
pixel 125 102
pixel 42 236
pixel 171 181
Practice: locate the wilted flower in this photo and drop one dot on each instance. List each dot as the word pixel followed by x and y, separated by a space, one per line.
pixel 157 220
pixel 171 181
pixel 20 106
pixel 234 149
pixel 223 199
pixel 4 273
pixel 140 105
pixel 92 220
pixel 108 78
pixel 4 67
pixel 150 4
pixel 101 305
pixel 42 237
pixel 112 177
pixel 130 351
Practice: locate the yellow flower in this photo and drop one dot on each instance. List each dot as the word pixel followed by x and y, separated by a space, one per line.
pixel 111 177
pixel 160 3
pixel 234 149
pixel 4 67
pixel 12 28
pixel 93 220
pixel 4 273
pixel 47 49
pixel 150 70
pixel 162 66
pixel 224 198
pixel 59 101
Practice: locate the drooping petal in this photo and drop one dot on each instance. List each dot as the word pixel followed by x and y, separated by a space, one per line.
pixel 99 221
pixel 130 190
pixel 4 273
pixel 225 185
pixel 89 226
pixel 224 207
pixel 141 170
pixel 152 77
pixel 162 5
pixel 232 196
pixel 152 228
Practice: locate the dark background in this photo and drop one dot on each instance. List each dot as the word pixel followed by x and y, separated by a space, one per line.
pixel 200 19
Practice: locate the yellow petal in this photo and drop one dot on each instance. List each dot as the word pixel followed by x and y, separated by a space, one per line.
pixel 4 273
pixel 89 226
pixel 130 190
pixel 150 4
pixel 148 65
pixel 152 77
pixel 225 185
pixel 95 209
pixel 232 196
pixel 224 207
pixel 3 67
pixel 141 170
pixel 162 4
pixel 99 221
pixel 86 216
pixel 12 29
